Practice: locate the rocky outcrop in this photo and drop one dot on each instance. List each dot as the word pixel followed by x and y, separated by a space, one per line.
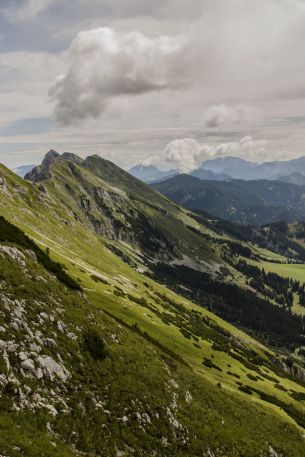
pixel 14 253
pixel 42 172
pixel 71 157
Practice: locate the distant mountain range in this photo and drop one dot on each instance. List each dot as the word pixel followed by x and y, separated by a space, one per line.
pixel 243 169
pixel 150 174
pixel 293 178
pixel 208 175
pixel 254 202
pixel 226 168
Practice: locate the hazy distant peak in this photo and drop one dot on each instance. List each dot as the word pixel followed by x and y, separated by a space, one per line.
pixel 294 178
pixel 150 173
pixel 22 170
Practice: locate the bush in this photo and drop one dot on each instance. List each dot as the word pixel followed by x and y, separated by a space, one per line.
pixel 95 345
pixel 252 377
pixel 99 279
pixel 245 389
pixel 210 364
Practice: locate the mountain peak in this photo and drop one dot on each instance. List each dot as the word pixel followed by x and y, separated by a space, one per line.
pixel 50 157
pixel 42 172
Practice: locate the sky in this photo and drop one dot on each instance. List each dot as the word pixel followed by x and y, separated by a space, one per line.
pixel 163 82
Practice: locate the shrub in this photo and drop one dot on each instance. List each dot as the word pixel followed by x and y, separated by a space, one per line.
pixel 252 377
pixel 280 387
pixel 208 363
pixel 185 333
pixel 245 389
pixel 99 279
pixel 95 344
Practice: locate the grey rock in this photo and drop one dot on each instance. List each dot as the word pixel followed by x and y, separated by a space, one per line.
pixel 50 343
pixel 23 356
pixel 52 369
pixel 14 253
pixel 42 172
pixel 28 364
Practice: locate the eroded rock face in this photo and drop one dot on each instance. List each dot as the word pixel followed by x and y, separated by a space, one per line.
pixel 42 172
pixel 28 364
pixel 14 253
pixel 29 349
pixel 50 157
pixel 72 157
pixel 3 185
pixel 52 369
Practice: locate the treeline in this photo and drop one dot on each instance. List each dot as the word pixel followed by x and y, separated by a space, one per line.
pixel 239 249
pixel 273 324
pixel 271 285
pixel 12 234
pixel 274 236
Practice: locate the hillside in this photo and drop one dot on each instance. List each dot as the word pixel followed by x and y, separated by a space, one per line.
pixel 134 352
pixel 244 202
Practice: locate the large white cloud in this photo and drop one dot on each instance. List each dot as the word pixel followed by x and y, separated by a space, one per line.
pixel 237 57
pixel 186 154
pixel 246 147
pixel 183 154
pixel 105 64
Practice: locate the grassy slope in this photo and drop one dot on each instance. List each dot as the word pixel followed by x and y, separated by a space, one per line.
pixel 140 383
pixel 83 253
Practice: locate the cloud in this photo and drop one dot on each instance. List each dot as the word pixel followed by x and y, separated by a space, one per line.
pixel 105 64
pixel 183 154
pixel 224 116
pixel 236 55
pixel 246 147
pixel 24 84
pixel 28 11
pixel 217 56
pixel 186 154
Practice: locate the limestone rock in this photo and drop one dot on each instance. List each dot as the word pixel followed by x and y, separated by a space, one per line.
pixel 52 369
